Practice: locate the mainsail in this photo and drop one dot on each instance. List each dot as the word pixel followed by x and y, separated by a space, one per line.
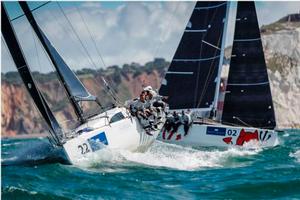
pixel 24 71
pixel 74 88
pixel 248 99
pixel 190 81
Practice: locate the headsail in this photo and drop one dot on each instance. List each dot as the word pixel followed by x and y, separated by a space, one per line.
pixel 248 99
pixel 74 88
pixel 24 71
pixel 190 81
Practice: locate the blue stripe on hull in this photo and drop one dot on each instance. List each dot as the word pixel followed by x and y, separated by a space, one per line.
pixel 216 131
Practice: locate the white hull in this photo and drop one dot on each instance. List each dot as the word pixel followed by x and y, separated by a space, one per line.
pixel 123 134
pixel 218 135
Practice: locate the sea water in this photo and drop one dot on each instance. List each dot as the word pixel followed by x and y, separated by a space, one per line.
pixel 32 169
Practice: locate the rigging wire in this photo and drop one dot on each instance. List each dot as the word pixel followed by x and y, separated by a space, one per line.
pixel 55 71
pixel 64 28
pixel 7 51
pixel 38 57
pixel 71 121
pixel 36 50
pixel 90 60
pixel 91 36
pixel 110 90
pixel 234 117
pixel 73 29
pixel 198 70
pixel 30 10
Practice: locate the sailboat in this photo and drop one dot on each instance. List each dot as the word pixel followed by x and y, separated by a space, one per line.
pixel 192 82
pixel 113 128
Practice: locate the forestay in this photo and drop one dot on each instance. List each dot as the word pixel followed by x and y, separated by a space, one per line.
pixel 190 81
pixel 248 99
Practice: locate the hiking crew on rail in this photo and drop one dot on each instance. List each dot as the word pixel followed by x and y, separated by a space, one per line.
pixel 148 108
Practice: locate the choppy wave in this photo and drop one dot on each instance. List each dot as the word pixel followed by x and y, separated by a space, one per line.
pixel 165 171
pixel 13 192
pixel 30 153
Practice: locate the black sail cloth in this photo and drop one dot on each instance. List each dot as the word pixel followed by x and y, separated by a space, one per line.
pixel 248 99
pixel 190 81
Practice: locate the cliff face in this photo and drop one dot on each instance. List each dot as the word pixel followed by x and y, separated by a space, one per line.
pixel 281 42
pixel 15 110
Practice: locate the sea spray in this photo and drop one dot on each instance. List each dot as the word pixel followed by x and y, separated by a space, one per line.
pixel 163 155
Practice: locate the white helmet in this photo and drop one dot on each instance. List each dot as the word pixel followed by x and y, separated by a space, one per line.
pixel 148 88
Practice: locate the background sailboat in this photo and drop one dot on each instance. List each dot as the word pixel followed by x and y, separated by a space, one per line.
pixel 248 101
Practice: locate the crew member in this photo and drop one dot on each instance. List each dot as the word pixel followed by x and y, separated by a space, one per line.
pixel 185 121
pixel 155 103
pixel 177 121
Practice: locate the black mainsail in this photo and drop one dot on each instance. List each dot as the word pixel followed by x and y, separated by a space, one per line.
pixel 190 81
pixel 73 86
pixel 248 99
pixel 24 71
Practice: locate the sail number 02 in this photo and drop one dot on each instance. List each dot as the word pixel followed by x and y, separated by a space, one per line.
pixel 84 148
pixel 231 132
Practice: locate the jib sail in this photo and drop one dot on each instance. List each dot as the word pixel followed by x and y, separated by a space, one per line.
pixel 248 99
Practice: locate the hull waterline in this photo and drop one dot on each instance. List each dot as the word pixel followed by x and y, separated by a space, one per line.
pixel 218 135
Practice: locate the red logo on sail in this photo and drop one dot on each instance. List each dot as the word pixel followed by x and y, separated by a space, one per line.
pixel 228 140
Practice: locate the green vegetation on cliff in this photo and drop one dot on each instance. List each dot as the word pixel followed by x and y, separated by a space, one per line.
pixel 114 73
pixel 286 23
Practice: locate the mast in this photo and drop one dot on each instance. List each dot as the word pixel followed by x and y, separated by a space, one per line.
pixel 215 107
pixel 248 98
pixel 190 81
pixel 75 90
pixel 25 74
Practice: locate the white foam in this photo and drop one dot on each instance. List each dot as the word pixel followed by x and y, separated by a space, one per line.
pixel 285 135
pixel 165 155
pixel 9 159
pixel 11 144
pixel 13 188
pixel 296 155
